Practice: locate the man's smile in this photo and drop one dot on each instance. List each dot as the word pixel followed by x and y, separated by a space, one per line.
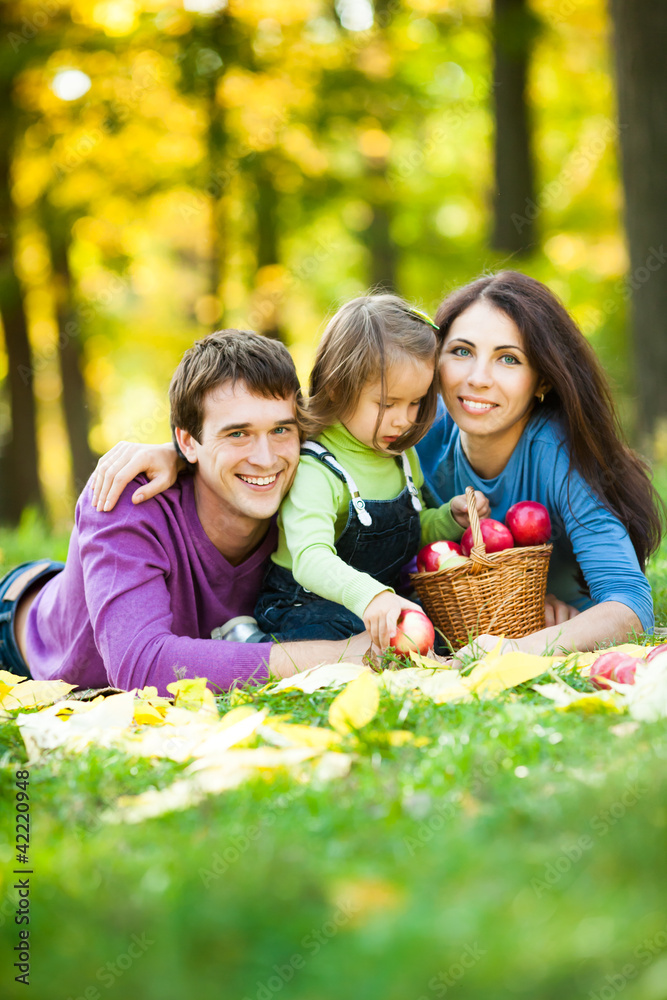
pixel 259 481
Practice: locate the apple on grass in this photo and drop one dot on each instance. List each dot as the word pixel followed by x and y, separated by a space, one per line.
pixel 414 631
pixel 496 537
pixel 529 523
pixel 432 556
pixel 619 667
pixel 657 651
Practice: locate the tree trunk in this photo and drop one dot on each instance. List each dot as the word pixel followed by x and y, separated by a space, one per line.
pixel 513 202
pixel 268 294
pixel 75 403
pixel 640 28
pixel 21 485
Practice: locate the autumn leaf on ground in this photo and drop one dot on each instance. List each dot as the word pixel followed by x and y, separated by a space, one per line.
pixel 193 694
pixel 496 673
pixel 325 675
pixel 35 694
pixel 355 706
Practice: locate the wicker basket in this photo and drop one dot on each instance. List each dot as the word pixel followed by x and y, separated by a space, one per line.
pixel 501 593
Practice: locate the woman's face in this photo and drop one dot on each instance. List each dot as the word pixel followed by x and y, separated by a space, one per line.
pixel 488 385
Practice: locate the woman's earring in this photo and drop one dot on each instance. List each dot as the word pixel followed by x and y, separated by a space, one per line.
pixel 541 397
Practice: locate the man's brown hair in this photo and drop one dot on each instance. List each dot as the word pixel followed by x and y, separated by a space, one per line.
pixel 264 365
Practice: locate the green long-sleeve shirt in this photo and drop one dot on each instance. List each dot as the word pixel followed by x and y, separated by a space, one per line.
pixel 314 513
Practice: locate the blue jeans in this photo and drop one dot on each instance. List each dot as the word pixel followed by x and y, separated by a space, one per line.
pixel 288 613
pixel 13 586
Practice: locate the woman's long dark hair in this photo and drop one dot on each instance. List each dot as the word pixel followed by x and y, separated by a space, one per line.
pixel 580 394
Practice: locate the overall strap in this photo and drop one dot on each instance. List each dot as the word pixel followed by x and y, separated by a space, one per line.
pixel 319 451
pixel 412 489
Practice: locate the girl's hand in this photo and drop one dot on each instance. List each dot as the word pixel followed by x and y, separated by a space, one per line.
pixel 556 612
pixel 126 460
pixel 459 508
pixel 382 614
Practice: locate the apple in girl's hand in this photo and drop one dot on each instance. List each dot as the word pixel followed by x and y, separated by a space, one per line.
pixel 496 537
pixel 529 523
pixel 432 556
pixel 617 667
pixel 656 651
pixel 413 631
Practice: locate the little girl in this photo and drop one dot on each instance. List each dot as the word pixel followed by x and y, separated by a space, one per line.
pixel 355 513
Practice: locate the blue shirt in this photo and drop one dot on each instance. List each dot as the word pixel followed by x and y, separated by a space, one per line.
pixel 585 534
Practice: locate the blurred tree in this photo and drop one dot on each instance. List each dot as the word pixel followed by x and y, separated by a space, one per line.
pixel 57 226
pixel 640 29
pixel 514 30
pixel 19 461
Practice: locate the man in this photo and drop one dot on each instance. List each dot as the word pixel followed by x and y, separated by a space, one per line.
pixel 144 586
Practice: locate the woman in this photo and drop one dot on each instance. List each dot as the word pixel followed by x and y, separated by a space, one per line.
pixel 529 416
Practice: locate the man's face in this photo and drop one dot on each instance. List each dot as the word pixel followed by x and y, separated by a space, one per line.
pixel 248 451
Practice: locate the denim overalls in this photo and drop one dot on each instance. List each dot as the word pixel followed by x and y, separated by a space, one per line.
pixel 379 538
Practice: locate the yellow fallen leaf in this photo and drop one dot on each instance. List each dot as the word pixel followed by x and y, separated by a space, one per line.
pixel 148 692
pixel 235 715
pixel 286 734
pixel 239 697
pixel 35 694
pixel 440 686
pixel 193 694
pixel 356 705
pixel 8 681
pixel 324 675
pixel 399 738
pixel 77 707
pixel 591 704
pixel 146 714
pixel 496 673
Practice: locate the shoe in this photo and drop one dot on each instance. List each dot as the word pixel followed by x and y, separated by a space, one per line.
pixel 240 629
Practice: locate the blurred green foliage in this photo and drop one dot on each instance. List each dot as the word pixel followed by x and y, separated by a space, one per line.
pixel 256 167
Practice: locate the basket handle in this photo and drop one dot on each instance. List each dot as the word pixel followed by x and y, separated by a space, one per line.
pixel 477 537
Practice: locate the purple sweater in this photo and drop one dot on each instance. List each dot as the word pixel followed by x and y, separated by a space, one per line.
pixel 141 587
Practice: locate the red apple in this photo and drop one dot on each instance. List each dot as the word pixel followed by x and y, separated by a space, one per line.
pixel 617 667
pixel 529 523
pixel 496 537
pixel 431 556
pixel 656 651
pixel 413 631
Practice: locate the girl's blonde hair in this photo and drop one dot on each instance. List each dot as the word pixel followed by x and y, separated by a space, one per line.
pixel 361 341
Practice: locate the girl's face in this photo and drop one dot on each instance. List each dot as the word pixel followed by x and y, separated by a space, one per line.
pixel 407 382
pixel 488 384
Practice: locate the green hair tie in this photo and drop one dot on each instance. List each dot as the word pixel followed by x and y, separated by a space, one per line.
pixel 423 317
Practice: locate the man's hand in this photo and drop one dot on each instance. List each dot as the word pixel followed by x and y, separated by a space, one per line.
pixel 459 508
pixel 126 460
pixel 556 612
pixel 382 614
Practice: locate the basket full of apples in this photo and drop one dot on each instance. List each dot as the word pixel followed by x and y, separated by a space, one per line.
pixel 495 581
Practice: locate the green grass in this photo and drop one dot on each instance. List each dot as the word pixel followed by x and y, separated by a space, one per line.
pixel 519 854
